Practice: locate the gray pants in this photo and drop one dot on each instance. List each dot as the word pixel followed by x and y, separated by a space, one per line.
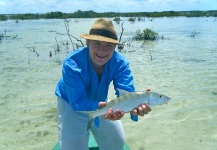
pixel 73 134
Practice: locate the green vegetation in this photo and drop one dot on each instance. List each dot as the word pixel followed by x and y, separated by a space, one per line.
pixel 3 18
pixel 132 19
pixel 24 16
pixel 92 14
pixel 117 20
pixel 146 34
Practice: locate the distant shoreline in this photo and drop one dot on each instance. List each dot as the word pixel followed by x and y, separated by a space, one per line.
pixel 92 14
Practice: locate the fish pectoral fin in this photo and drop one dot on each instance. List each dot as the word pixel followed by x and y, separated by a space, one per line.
pixel 151 107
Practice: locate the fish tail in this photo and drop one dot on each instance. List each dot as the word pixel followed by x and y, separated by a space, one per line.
pixel 92 119
pixel 89 123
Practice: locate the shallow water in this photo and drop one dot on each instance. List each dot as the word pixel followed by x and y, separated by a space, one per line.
pixel 182 67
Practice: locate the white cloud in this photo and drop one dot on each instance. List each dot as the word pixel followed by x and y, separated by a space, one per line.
pixel 175 1
pixel 43 6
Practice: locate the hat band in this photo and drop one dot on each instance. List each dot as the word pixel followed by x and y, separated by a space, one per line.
pixel 103 32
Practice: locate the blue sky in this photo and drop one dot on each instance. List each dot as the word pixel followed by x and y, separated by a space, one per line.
pixel 70 6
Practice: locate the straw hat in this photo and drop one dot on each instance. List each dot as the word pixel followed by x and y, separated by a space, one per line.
pixel 102 30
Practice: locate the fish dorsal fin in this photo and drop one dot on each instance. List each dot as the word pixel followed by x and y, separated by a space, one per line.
pixel 122 92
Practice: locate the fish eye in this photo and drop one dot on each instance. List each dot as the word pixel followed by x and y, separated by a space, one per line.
pixel 160 96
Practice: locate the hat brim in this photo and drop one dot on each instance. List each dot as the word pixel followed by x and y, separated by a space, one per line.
pixel 99 38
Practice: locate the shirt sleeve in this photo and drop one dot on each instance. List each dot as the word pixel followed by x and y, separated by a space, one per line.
pixel 75 88
pixel 124 80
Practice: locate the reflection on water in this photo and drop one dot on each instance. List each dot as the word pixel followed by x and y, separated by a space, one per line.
pixel 182 67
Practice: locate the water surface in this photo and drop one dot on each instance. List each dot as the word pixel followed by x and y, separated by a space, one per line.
pixel 181 67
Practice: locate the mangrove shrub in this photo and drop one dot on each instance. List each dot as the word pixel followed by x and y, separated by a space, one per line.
pixel 3 18
pixel 146 34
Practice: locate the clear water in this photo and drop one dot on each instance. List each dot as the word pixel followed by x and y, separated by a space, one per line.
pixel 182 67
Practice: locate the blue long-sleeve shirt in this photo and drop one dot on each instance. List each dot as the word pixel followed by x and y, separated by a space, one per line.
pixel 79 85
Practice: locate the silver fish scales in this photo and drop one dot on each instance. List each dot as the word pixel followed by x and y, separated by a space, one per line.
pixel 127 102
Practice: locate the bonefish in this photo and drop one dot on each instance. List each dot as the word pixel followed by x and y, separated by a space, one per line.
pixel 128 101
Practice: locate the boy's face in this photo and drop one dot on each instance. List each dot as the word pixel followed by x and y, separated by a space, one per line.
pixel 100 52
